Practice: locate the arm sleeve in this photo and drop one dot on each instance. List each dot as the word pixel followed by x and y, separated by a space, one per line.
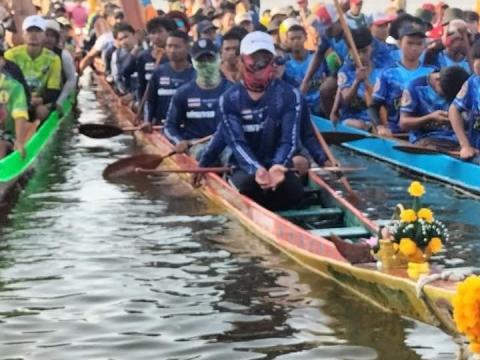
pixel 18 103
pixel 235 138
pixel 289 130
pixel 214 148
pixel 175 118
pixel 463 101
pixel 70 76
pixel 55 75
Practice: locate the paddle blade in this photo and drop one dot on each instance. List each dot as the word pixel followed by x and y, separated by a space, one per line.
pixel 128 166
pixel 99 131
pixel 337 137
pixel 416 150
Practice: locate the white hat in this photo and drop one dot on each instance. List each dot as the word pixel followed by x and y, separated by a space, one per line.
pixel 256 41
pixel 278 11
pixel 380 18
pixel 34 21
pixel 239 18
pixel 52 25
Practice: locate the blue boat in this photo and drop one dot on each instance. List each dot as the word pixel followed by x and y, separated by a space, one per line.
pixel 462 175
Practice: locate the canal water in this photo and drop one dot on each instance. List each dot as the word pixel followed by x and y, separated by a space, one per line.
pixel 148 270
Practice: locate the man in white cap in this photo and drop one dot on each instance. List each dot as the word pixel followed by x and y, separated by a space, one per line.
pixel 245 20
pixel 41 67
pixel 69 75
pixel 259 123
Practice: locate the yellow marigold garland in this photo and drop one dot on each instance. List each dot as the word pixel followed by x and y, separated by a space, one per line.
pixel 425 214
pixel 416 189
pixel 435 245
pixel 407 247
pixel 466 310
pixel 408 215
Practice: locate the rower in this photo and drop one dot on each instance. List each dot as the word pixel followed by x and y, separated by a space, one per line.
pixel 41 67
pixel 193 111
pixel 14 126
pixel 147 60
pixel 124 54
pixel 230 55
pixel 468 100
pixel 69 75
pixel 169 77
pixel 260 118
pixel 424 111
pixel 355 84
pixel 393 80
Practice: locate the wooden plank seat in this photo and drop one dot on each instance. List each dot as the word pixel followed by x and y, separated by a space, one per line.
pixel 343 232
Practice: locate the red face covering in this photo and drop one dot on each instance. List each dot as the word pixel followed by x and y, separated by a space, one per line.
pixel 256 75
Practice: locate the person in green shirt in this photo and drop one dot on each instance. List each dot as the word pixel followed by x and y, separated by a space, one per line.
pixel 41 67
pixel 13 116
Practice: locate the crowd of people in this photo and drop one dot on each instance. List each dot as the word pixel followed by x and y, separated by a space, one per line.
pixel 233 85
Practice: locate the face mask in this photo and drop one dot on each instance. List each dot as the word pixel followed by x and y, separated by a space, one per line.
pixel 208 72
pixel 257 76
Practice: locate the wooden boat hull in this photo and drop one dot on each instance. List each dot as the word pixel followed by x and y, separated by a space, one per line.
pixel 392 291
pixel 14 168
pixel 447 169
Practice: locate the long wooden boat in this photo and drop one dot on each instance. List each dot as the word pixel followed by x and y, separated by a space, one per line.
pixel 14 168
pixel 303 235
pixel 460 174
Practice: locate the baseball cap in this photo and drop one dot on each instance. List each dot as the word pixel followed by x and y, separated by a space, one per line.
pixel 34 21
pixel 204 26
pixel 256 41
pixel 327 14
pixel 429 7
pixel 278 11
pixel 287 24
pixel 62 20
pixel 52 25
pixel 202 47
pixel 380 18
pixel 239 18
pixel 412 29
pixel 355 2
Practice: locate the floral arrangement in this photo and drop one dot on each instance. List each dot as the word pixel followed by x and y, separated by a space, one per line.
pixel 466 310
pixel 417 234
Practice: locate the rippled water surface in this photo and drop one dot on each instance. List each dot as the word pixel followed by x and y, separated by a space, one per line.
pixel 147 270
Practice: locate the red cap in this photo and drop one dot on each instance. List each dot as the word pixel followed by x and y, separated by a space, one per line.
pixel 355 2
pixel 429 7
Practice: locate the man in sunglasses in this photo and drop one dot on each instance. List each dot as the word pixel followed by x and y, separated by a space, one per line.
pixel 194 109
pixel 260 119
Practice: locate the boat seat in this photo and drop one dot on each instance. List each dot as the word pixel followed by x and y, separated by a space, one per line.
pixel 353 231
pixel 317 211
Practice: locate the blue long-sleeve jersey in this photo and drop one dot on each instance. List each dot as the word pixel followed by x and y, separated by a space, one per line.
pixel 163 85
pixel 261 133
pixel 193 112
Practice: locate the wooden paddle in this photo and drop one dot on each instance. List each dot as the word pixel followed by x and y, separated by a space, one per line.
pixel 224 169
pixel 338 137
pixel 105 131
pixel 129 165
pixel 413 149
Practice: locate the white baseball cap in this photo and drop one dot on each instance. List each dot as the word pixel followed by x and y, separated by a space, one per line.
pixel 256 41
pixel 52 25
pixel 239 18
pixel 34 21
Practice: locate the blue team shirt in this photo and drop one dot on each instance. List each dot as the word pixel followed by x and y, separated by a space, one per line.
pixel 443 61
pixel 193 111
pixel 295 73
pixel 337 45
pixel 420 99
pixel 261 133
pixel 357 108
pixel 468 100
pixel 389 88
pixel 163 85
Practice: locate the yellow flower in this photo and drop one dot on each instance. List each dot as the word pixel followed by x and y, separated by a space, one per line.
pixel 435 245
pixel 416 189
pixel 466 305
pixel 425 214
pixel 408 215
pixel 407 246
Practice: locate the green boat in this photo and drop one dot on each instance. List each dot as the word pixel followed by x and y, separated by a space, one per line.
pixel 14 168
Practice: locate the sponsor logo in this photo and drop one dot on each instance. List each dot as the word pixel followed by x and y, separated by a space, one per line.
pixel 166 92
pixel 200 114
pixel 194 102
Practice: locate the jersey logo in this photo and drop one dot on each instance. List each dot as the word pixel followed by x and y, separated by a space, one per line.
pixel 406 98
pixel 164 80
pixel 376 88
pixel 149 66
pixel 4 96
pixel 342 79
pixel 463 91
pixel 194 102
